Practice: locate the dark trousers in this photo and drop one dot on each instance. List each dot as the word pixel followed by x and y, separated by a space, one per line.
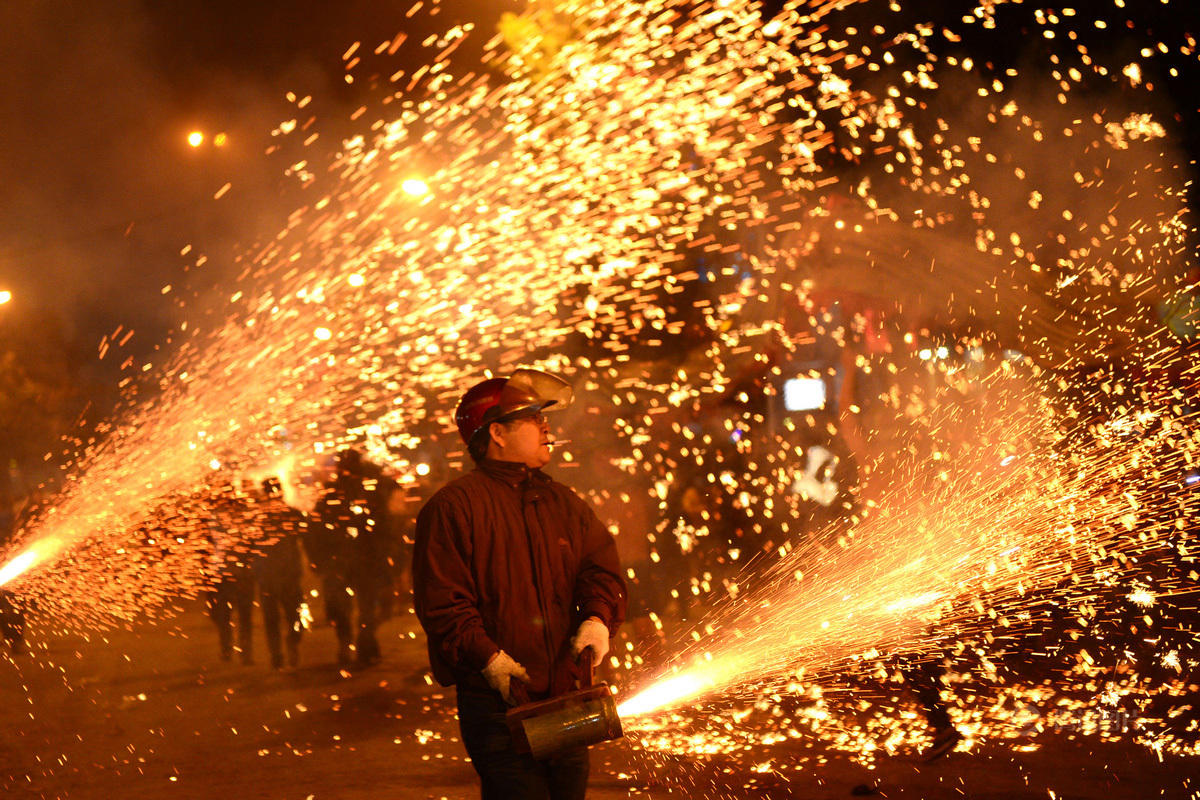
pixel 925 678
pixel 280 600
pixel 506 774
pixel 12 623
pixel 233 594
pixel 339 608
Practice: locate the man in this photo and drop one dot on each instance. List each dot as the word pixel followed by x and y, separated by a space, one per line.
pixel 513 577
pixel 350 543
pixel 232 578
pixel 12 623
pixel 279 569
pixel 925 678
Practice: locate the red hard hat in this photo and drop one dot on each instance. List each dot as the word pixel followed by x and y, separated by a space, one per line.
pixel 496 399
pixel 479 399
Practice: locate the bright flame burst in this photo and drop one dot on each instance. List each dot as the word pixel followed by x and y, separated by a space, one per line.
pixel 681 205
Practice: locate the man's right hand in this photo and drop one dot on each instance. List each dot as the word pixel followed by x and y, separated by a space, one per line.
pixel 499 673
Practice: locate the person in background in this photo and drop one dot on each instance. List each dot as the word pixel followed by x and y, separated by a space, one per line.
pixel 12 616
pixel 231 573
pixel 278 570
pixel 350 543
pixel 12 623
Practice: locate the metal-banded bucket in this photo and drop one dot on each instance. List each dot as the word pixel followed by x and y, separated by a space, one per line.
pixel 584 717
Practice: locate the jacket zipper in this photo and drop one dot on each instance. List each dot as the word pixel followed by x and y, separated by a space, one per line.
pixel 537 590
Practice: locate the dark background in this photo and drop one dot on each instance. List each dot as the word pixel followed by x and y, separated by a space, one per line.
pixel 102 192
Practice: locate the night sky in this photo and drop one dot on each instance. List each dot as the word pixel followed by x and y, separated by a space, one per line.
pixel 102 191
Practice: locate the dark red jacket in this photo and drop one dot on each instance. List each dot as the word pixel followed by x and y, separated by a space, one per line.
pixel 508 559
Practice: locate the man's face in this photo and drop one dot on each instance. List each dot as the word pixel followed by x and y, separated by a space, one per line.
pixel 525 439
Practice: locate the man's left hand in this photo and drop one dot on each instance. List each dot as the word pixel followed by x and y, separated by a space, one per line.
pixel 592 633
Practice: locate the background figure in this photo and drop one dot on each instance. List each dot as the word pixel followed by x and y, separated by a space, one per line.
pixel 402 506
pixel 12 624
pixel 232 576
pixel 925 679
pixel 234 590
pixel 278 571
pixel 12 616
pixel 350 543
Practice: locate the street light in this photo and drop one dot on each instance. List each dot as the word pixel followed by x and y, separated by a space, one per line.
pixel 198 138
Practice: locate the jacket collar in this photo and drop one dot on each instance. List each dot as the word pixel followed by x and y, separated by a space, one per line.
pixel 513 473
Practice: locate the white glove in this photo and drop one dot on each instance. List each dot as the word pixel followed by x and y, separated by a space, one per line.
pixel 594 634
pixel 500 671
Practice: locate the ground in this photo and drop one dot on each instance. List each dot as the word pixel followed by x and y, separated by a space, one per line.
pixel 153 712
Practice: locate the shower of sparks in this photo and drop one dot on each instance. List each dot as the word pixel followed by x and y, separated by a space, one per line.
pixel 917 569
pixel 679 206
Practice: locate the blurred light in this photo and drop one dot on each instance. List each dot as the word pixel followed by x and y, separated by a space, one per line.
pixel 665 693
pixel 323 334
pixel 5 296
pixel 195 138
pixel 355 280
pixel 910 603
pixel 220 140
pixel 415 187
pixel 17 566
pixel 803 394
pixel 422 469
pixel 926 354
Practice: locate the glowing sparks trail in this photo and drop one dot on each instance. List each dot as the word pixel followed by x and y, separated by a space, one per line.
pixel 897 581
pixel 20 564
pixel 670 692
pixel 682 206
